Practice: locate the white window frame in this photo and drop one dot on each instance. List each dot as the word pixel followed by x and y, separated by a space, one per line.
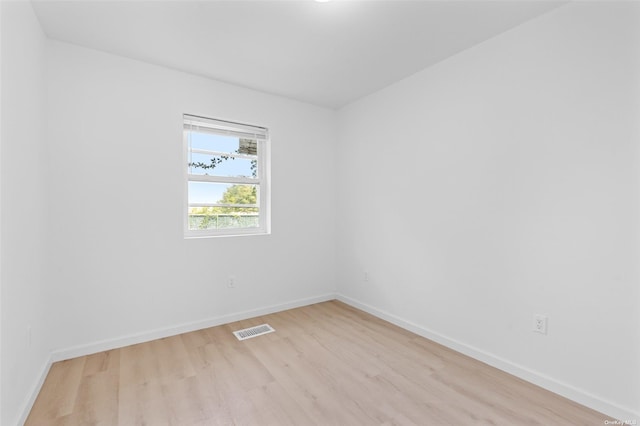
pixel 261 135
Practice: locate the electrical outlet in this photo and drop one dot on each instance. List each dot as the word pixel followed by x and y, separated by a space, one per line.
pixel 232 281
pixel 365 276
pixel 540 323
pixel 28 336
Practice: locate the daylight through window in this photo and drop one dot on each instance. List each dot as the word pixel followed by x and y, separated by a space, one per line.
pixel 227 187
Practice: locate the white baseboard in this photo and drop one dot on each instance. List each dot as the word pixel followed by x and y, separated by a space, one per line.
pixel 132 339
pixel 580 396
pixel 35 390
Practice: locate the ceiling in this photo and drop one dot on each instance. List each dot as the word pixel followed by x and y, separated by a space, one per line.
pixel 327 54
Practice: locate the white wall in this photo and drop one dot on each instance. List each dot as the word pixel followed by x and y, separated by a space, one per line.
pixel 119 259
pixel 24 206
pixel 501 183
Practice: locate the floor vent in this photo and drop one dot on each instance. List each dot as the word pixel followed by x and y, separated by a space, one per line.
pixel 250 332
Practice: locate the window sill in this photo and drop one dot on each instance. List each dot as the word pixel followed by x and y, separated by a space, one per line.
pixel 189 235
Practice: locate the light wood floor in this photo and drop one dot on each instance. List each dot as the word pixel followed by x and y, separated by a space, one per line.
pixel 326 364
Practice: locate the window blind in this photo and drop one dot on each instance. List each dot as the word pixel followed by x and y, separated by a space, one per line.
pixel 224 128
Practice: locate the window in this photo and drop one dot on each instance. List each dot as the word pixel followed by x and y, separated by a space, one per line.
pixel 227 178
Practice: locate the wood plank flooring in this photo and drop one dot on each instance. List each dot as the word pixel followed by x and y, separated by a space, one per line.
pixel 326 364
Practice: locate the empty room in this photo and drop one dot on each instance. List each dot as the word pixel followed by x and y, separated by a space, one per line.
pixel 319 212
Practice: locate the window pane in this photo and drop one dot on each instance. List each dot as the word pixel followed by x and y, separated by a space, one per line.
pixel 222 193
pixel 215 162
pixel 222 217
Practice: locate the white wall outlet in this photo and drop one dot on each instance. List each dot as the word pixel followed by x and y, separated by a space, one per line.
pixel 540 323
pixel 365 276
pixel 231 283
